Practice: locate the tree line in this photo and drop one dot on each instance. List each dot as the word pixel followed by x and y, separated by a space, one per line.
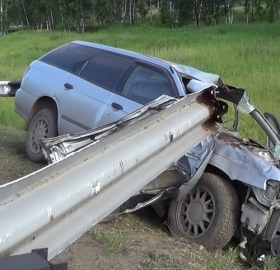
pixel 78 14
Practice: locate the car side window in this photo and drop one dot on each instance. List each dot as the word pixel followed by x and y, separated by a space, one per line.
pixel 69 57
pixel 105 69
pixel 146 84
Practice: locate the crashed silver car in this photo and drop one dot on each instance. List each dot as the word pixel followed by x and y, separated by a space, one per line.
pixel 221 183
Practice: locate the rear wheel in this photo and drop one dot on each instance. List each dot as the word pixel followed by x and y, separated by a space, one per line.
pixel 42 125
pixel 208 214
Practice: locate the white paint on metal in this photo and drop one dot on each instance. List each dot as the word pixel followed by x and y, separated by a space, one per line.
pixel 49 211
pixel 95 187
pixel 128 159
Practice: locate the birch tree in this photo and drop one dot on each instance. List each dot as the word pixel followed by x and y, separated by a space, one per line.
pixel 1 15
pixel 69 15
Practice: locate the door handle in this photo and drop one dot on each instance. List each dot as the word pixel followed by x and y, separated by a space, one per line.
pixel 117 106
pixel 68 86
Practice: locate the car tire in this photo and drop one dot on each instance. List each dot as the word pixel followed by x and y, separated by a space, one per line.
pixel 208 214
pixel 42 125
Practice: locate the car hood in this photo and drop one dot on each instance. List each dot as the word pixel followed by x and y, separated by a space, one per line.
pixel 246 161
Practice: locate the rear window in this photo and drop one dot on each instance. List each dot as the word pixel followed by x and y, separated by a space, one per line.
pixel 105 69
pixel 69 57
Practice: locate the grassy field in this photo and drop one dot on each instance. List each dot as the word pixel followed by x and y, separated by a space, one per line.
pixel 243 55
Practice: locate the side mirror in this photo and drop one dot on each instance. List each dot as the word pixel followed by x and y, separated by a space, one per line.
pixel 274 123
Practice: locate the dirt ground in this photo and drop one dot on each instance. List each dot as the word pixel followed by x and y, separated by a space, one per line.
pixel 134 241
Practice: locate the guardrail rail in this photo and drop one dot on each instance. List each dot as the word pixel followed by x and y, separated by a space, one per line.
pixel 54 206
pixel 9 88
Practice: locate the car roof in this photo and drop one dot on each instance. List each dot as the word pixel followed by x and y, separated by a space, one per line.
pixel 182 69
pixel 125 52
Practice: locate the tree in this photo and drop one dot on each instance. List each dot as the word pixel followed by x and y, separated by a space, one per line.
pixel 1 15
pixel 229 5
pixel 76 14
pixel 272 9
pixel 141 7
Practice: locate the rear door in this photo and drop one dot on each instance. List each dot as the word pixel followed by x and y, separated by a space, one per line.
pixel 81 104
pixel 86 94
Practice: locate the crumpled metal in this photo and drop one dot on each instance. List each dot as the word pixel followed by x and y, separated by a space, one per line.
pixel 197 74
pixel 245 105
pixel 277 150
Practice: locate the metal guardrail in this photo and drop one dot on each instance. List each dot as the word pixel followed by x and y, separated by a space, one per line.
pixel 52 207
pixel 9 88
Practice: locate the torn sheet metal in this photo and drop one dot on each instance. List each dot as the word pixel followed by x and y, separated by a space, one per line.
pixel 99 178
pixel 245 105
pixel 9 88
pixel 235 95
pixel 57 148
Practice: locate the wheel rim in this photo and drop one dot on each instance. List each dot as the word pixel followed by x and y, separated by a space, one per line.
pixel 195 214
pixel 39 130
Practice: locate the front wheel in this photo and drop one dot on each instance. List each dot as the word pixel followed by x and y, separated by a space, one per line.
pixel 208 214
pixel 42 125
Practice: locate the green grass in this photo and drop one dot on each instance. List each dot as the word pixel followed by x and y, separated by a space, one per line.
pixel 132 236
pixel 243 55
pixel 112 240
pixel 138 236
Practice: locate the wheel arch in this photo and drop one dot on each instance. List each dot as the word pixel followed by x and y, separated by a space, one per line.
pixel 215 170
pixel 239 187
pixel 42 103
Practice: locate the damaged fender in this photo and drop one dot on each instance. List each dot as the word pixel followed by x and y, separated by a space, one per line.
pixel 193 164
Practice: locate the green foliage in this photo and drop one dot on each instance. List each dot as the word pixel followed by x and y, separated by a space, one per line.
pixel 107 12
pixel 112 240
pixel 272 8
pixel 157 260
pixel 254 10
pixel 142 8
pixel 185 15
pixel 164 14
pixel 77 15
